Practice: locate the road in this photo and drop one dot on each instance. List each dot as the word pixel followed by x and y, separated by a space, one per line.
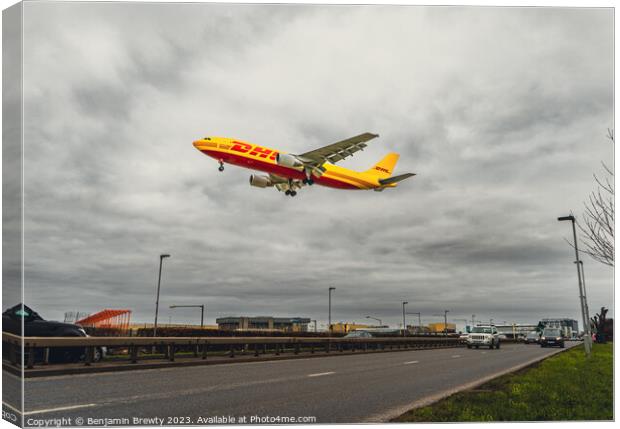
pixel 340 389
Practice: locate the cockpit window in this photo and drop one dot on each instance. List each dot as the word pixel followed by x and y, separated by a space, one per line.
pixel 207 138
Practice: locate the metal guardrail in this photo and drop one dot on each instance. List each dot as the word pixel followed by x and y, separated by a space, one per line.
pixel 202 345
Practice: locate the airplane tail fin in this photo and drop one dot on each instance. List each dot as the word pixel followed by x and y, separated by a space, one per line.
pixel 384 168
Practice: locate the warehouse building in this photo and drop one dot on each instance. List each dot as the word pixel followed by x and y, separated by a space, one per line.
pixel 343 328
pixel 566 325
pixel 436 328
pixel 285 324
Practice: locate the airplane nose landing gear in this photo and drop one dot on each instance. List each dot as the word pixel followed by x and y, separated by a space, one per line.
pixel 221 167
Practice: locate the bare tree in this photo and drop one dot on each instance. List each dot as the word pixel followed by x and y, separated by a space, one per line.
pixel 597 226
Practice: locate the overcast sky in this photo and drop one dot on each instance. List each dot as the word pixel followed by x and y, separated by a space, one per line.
pixel 501 112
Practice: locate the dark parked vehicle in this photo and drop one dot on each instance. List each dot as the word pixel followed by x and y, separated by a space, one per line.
pixel 36 326
pixel 532 337
pixel 552 338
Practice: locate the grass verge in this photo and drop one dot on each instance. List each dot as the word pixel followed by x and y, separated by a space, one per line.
pixel 566 386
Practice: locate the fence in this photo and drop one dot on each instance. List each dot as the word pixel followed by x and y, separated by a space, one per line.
pixel 202 347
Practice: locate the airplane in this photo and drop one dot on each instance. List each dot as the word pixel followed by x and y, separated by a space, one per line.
pixel 288 172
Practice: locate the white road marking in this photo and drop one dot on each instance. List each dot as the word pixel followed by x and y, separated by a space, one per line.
pixel 484 353
pixel 456 356
pixel 410 362
pixel 52 410
pixel 321 374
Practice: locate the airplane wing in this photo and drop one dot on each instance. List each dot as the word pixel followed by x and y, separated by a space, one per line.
pixel 337 151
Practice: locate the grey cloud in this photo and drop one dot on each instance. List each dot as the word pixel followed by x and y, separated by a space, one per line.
pixel 501 112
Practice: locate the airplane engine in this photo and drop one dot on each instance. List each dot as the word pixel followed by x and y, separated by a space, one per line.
pixel 260 181
pixel 289 161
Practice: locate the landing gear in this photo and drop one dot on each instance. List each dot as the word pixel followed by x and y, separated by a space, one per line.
pixel 221 167
pixel 289 192
pixel 308 180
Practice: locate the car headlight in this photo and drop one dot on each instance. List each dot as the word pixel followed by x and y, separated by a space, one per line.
pixel 543 338
pixel 83 332
pixel 558 338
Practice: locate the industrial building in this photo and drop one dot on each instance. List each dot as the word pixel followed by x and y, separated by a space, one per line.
pixel 285 324
pixel 515 330
pixel 343 328
pixel 450 328
pixel 415 329
pixel 566 325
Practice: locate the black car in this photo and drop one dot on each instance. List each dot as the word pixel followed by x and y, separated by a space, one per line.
pixel 532 337
pixel 552 338
pixel 36 326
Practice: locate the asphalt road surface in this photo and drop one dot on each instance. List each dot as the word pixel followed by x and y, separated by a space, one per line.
pixel 339 389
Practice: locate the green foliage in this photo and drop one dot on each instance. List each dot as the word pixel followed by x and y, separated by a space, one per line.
pixel 567 386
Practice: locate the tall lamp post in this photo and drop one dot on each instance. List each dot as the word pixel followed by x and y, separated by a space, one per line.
pixel 161 259
pixel 404 321
pixel 330 309
pixel 587 341
pixel 374 318
pixel 445 322
pixel 202 312
pixel 585 296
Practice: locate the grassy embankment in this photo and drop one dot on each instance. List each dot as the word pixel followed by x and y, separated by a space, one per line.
pixel 566 386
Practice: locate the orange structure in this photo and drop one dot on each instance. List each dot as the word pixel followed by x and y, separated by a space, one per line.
pixel 117 319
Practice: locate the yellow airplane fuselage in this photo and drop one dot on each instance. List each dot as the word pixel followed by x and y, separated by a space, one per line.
pixel 260 158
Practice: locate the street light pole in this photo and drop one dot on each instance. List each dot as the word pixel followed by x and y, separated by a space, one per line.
pixel 404 322
pixel 330 309
pixel 587 341
pixel 161 258
pixel 585 297
pixel 374 318
pixel 445 322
